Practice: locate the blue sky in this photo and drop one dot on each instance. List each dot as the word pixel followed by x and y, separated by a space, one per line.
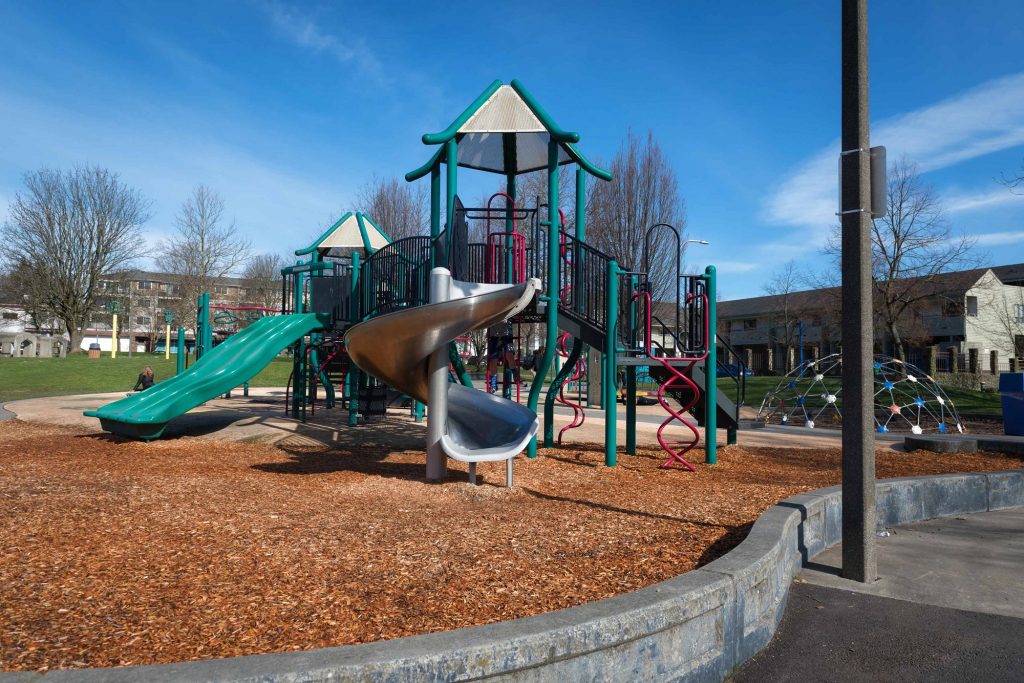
pixel 287 109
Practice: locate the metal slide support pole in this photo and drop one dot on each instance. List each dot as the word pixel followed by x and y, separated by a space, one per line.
pixel 180 361
pixel 631 373
pixel 167 342
pixel 437 389
pixel 711 371
pixel 610 365
pixel 859 516
pixel 552 293
pixel 353 372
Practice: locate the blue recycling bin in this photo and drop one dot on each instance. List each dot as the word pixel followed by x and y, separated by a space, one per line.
pixel 1011 388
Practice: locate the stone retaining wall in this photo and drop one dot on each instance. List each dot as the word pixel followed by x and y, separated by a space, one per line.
pixel 698 626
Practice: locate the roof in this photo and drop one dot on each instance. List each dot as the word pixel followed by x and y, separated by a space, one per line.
pixel 158 276
pixel 941 283
pixel 351 231
pixel 505 130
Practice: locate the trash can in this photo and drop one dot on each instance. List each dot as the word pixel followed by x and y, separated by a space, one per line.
pixel 1011 388
pixel 94 350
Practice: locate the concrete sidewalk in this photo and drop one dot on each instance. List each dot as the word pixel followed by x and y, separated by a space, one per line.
pixel 949 605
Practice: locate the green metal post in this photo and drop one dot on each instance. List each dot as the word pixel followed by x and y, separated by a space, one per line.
pixel 510 190
pixel 435 201
pixel 552 289
pixel 352 381
pixel 711 371
pixel 610 366
pixel 180 361
pixel 581 203
pixel 451 186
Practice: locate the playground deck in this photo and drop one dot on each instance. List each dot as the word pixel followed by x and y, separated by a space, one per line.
pixel 121 552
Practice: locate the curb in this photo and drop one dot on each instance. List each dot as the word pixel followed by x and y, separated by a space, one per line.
pixel 698 626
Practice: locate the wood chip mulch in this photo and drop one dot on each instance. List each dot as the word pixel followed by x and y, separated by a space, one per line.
pixel 117 553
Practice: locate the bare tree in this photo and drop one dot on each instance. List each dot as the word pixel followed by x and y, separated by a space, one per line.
pixel 644 192
pixel 262 277
pixel 64 232
pixel 399 208
pixel 1016 181
pixel 204 249
pixel 783 324
pixel 910 246
pixel 1003 307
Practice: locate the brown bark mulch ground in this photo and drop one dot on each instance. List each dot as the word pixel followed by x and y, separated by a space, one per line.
pixel 116 553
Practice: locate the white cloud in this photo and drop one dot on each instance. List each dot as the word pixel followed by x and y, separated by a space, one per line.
pixel 982 120
pixel 956 203
pixel 736 267
pixel 351 49
pixel 990 239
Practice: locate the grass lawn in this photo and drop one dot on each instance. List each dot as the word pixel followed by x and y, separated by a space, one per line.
pixel 77 374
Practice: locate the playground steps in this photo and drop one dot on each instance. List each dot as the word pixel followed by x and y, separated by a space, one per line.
pixel 580 329
pixel 337 371
pixel 727 412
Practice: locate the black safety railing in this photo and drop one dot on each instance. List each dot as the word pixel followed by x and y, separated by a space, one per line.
pixel 583 282
pixel 396 276
pixel 730 364
pixel 632 311
pixel 330 293
pixel 288 293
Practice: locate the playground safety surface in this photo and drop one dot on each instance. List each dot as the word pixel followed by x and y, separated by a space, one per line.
pixel 118 552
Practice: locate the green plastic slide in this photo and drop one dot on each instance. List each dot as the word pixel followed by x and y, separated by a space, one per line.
pixel 145 415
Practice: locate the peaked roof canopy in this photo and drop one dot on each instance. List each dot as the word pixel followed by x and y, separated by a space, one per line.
pixel 352 231
pixel 505 130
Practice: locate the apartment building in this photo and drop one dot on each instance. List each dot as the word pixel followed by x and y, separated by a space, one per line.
pixel 980 309
pixel 142 299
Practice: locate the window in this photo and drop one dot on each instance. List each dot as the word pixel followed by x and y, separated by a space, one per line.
pixel 220 290
pixel 952 309
pixel 1018 313
pixel 972 306
pixel 728 326
pixel 815 321
pixel 750 324
pixel 144 303
pixel 145 284
pixel 174 289
pixel 10 316
pixel 142 320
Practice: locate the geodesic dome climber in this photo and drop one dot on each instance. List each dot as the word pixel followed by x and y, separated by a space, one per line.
pixel 906 398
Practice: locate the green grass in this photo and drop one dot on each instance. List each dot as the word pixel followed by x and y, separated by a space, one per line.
pixel 77 374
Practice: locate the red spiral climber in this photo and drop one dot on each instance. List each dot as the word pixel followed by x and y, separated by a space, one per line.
pixel 580 369
pixel 679 381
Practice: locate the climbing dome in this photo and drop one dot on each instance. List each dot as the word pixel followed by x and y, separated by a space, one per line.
pixel 906 398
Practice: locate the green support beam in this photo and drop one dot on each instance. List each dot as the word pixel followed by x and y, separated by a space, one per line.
pixel 711 371
pixel 610 366
pixel 551 298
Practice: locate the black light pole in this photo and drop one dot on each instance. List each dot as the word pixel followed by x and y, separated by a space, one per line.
pixel 857 330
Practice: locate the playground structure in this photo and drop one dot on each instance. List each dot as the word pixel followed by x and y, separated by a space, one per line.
pixel 906 398
pixel 370 319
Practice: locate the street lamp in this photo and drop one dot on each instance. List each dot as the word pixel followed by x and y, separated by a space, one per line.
pixel 685 242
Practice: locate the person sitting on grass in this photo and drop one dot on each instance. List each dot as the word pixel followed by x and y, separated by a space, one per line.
pixel 145 380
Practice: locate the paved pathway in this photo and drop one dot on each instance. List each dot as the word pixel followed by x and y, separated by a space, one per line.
pixel 949 606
